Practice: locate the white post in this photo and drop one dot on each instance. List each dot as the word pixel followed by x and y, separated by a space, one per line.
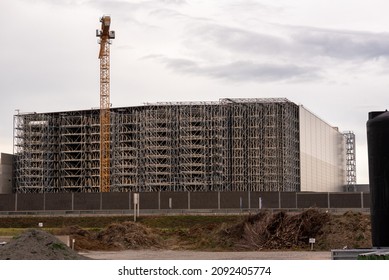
pixel 260 202
pixel 136 205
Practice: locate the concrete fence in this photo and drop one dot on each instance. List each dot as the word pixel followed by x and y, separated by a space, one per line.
pixel 181 201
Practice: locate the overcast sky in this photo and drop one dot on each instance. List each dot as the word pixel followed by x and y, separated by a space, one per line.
pixel 330 56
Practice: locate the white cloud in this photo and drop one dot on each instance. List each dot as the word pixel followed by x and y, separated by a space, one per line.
pixel 242 70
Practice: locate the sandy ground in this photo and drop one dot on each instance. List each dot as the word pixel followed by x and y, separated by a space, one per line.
pixel 194 255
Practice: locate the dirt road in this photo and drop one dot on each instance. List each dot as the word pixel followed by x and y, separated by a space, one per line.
pixel 196 255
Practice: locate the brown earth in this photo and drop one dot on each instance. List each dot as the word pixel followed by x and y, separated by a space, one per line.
pixel 260 232
pixel 263 231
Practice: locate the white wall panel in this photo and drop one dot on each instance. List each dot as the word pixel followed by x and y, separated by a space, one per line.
pixel 322 164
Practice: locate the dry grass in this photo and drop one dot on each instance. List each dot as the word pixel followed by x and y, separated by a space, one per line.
pixel 263 231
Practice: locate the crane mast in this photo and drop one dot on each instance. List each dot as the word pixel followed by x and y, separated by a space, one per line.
pixel 105 36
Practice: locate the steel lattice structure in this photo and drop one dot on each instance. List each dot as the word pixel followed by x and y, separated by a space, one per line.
pixel 231 145
pixel 351 174
pixel 105 36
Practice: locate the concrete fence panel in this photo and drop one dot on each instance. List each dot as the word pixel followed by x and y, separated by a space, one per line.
pixel 288 200
pixel 174 200
pixel 7 202
pixel 115 201
pixel 58 201
pixel 30 202
pixel 308 200
pixel 181 200
pixel 87 201
pixel 204 200
pixel 234 200
pixel 147 200
pixel 345 200
pixel 366 200
pixel 268 199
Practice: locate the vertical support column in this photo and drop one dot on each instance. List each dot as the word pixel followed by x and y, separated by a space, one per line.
pixel 296 200
pixel 104 120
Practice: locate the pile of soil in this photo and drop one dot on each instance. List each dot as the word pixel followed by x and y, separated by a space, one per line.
pixel 129 235
pixel 116 236
pixel 263 231
pixel 267 231
pixel 351 230
pixel 282 231
pixel 84 239
pixel 37 245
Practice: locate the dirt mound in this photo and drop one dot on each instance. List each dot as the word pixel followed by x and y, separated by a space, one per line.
pixel 263 231
pixel 37 245
pixel 267 231
pixel 351 230
pixel 129 235
pixel 116 236
pixel 85 239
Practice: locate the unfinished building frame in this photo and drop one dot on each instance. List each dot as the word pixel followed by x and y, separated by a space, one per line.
pixel 351 176
pixel 230 145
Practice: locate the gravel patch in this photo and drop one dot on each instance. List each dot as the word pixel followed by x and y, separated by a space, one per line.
pixel 37 245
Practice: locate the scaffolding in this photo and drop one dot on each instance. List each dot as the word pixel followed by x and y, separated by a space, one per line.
pixel 230 145
pixel 351 177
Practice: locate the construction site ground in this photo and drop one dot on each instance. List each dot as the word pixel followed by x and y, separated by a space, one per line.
pixel 265 235
pixel 204 255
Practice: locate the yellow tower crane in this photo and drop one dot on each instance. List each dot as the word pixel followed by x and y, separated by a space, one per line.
pixel 105 36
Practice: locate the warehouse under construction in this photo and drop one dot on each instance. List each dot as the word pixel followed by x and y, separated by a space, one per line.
pixel 266 144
